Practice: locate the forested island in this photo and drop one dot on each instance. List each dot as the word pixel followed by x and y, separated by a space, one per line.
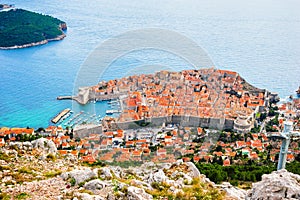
pixel 21 28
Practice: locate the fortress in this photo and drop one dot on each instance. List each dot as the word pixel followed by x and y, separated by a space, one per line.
pixel 213 98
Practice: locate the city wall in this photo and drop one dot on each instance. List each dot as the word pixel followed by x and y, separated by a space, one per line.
pixel 189 121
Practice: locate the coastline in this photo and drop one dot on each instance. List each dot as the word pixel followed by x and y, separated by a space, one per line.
pixel 60 37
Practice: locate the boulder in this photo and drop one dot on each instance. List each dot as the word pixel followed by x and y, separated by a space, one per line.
pixel 118 171
pixel 179 183
pixel 135 193
pixel 95 184
pixel 105 173
pixel 44 144
pixel 80 175
pixel 231 191
pixel 16 145
pixel 28 145
pixel 187 179
pixel 159 176
pixel 85 196
pixel 279 184
pixel 194 172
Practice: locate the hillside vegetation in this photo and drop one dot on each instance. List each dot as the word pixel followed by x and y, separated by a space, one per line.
pixel 20 27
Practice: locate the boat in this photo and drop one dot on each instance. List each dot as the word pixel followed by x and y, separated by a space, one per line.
pixel 298 92
pixel 109 112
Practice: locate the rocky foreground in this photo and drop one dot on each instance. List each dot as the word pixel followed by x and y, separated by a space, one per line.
pixel 35 171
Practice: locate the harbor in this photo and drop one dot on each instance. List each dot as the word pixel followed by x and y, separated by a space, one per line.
pixel 84 116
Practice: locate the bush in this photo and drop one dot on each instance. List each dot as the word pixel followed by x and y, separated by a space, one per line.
pixel 86 191
pixel 4 156
pixel 218 173
pixel 51 174
pixel 22 195
pixel 4 167
pixel 73 182
pixel 51 157
pixel 25 170
pixel 98 163
pixel 4 196
pixel 234 182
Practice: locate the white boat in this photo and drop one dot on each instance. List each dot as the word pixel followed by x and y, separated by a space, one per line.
pixel 110 112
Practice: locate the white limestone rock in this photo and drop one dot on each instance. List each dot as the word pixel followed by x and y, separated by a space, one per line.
pixel 118 171
pixel 28 145
pixel 158 176
pixel 95 184
pixel 187 179
pixel 80 175
pixel 46 145
pixel 194 172
pixel 105 173
pixel 135 193
pixel 85 196
pixel 231 191
pixel 16 145
pixel 277 185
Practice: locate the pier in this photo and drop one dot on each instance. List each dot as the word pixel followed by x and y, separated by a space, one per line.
pixel 60 115
pixel 64 97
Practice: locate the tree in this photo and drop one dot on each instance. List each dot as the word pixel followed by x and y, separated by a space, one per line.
pixel 219 148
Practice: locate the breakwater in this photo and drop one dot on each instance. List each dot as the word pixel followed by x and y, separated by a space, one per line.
pixel 60 115
pixel 85 95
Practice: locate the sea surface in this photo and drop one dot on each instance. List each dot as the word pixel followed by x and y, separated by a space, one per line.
pixel 259 39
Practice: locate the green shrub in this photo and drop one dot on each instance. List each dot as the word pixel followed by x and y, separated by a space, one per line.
pixel 51 174
pixel 4 167
pixel 4 156
pixel 86 191
pixel 73 181
pixel 51 157
pixel 4 196
pixel 25 170
pixel 22 195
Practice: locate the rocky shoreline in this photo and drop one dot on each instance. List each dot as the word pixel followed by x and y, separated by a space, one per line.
pixel 60 37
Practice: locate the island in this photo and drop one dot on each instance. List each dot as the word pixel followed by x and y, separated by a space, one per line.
pixel 21 28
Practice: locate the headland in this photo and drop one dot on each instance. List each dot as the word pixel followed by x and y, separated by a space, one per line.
pixel 212 98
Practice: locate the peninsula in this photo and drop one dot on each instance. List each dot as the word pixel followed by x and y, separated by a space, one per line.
pixel 213 98
pixel 21 28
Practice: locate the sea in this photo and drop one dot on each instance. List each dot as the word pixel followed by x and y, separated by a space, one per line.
pixel 259 39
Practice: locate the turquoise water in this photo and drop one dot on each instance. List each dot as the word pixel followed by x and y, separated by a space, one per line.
pixel 258 39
